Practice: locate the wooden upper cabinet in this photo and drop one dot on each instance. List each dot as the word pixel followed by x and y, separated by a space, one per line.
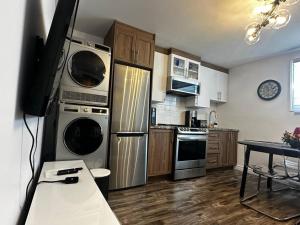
pixel 124 44
pixel 144 47
pixel 131 45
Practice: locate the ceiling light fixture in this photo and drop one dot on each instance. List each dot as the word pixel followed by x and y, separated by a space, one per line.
pixel 271 15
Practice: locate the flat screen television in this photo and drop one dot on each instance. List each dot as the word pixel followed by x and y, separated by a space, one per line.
pixel 42 86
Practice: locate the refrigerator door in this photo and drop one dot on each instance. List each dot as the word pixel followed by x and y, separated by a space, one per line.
pixel 128 160
pixel 130 111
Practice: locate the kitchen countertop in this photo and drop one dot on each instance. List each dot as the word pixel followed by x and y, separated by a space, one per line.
pixel 223 129
pixel 69 204
pixel 173 127
pixel 167 127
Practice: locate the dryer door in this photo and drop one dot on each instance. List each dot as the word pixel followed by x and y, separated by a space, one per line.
pixel 86 68
pixel 83 136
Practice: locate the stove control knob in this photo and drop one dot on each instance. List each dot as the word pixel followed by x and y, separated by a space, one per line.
pixel 85 110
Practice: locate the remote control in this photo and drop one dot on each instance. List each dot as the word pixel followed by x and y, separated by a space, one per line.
pixel 68 171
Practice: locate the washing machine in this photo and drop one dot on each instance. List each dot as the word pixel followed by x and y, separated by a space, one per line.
pixel 82 134
pixel 85 79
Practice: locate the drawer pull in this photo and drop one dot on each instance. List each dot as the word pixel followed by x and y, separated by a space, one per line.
pixel 212 161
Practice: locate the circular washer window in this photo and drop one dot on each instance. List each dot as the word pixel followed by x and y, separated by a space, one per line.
pixel 86 69
pixel 83 136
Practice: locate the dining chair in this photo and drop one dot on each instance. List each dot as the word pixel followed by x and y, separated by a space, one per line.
pixel 286 172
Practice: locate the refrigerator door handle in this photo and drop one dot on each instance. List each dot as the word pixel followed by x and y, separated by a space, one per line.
pixel 130 134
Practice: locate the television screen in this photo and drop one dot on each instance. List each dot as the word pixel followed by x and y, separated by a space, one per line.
pixel 44 84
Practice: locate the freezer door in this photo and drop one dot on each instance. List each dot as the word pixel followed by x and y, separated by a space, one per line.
pixel 130 99
pixel 128 160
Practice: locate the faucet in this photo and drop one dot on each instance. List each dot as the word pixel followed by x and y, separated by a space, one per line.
pixel 210 124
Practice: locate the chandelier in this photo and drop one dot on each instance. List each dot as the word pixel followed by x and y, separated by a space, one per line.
pixel 271 15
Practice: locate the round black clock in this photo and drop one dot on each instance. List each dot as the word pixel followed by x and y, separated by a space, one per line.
pixel 269 89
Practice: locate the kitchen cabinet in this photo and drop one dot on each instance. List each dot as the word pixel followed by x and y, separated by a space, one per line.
pixel 159 77
pixel 183 67
pixel 203 99
pixel 131 45
pixel 222 148
pixel 218 86
pixel 160 152
pixel 124 44
pixel 222 86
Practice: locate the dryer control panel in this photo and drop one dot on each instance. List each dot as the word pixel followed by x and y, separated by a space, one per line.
pixel 84 109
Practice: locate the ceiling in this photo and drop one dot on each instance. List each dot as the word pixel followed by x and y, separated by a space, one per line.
pixel 212 29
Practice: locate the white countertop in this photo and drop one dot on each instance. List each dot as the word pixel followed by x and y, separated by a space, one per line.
pixel 69 204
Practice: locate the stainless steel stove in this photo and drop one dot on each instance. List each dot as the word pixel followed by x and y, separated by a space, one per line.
pixel 190 152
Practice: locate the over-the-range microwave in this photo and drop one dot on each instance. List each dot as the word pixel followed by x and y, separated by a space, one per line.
pixel 182 86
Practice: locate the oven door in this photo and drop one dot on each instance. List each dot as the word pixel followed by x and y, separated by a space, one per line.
pixel 190 151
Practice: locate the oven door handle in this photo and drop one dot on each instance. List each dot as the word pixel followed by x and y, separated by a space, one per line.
pixel 191 137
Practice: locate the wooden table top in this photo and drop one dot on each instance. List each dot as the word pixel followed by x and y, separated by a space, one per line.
pixel 271 148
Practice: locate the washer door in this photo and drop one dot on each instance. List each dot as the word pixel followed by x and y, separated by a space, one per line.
pixel 83 136
pixel 86 68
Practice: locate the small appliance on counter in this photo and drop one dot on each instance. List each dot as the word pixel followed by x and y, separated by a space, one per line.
pixel 190 152
pixel 213 121
pixel 203 123
pixel 191 119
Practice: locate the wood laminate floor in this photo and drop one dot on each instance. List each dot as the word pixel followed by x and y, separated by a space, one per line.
pixel 210 200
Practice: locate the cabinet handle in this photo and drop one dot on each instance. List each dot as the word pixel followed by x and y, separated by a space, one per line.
pixel 133 54
pixel 137 55
pixel 219 95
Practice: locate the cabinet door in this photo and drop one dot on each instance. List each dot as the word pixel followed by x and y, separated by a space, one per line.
pixel 144 49
pixel 204 97
pixel 178 66
pixel 124 44
pixel 193 69
pixel 160 152
pixel 232 148
pixel 212 84
pixel 222 81
pixel 159 77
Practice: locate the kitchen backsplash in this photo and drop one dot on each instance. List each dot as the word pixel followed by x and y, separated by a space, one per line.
pixel 172 110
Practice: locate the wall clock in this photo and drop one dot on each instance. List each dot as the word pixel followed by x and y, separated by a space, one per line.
pixel 269 89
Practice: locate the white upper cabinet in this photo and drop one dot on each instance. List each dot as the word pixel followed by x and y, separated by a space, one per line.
pixel 159 77
pixel 217 84
pixel 203 99
pixel 222 79
pixel 183 67
pixel 193 69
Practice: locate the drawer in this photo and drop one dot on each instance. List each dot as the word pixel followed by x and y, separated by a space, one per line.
pixel 212 135
pixel 214 147
pixel 213 160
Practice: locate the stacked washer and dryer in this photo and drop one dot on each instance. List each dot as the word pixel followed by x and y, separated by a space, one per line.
pixel 83 120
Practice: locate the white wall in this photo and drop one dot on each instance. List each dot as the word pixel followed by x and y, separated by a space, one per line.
pixel 84 36
pixel 21 20
pixel 257 119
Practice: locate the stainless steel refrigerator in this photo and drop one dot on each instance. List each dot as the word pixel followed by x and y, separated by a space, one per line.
pixel 129 127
